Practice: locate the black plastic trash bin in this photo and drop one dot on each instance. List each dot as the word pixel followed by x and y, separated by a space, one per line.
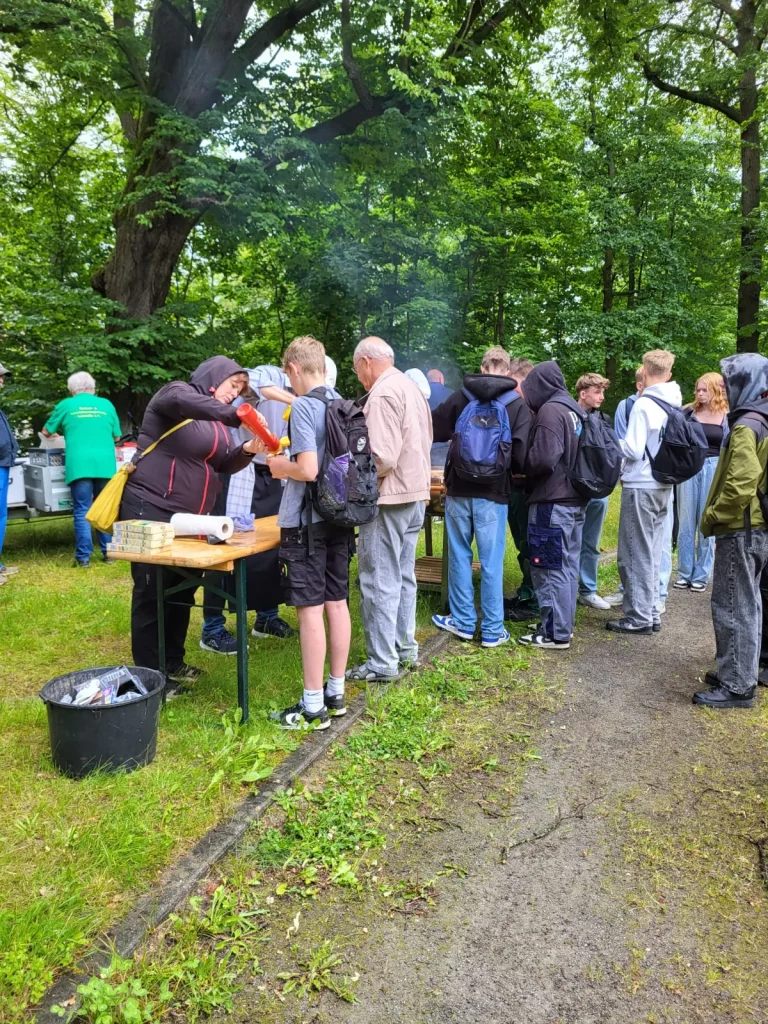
pixel 115 737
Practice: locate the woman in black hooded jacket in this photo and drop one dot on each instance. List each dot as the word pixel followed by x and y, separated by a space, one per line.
pixel 181 475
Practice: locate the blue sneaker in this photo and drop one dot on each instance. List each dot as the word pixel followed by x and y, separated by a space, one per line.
pixel 219 643
pixel 496 641
pixel 446 622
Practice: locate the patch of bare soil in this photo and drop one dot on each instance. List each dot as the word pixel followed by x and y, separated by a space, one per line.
pixel 617 879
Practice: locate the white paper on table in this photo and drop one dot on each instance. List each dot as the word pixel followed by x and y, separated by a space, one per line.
pixel 186 525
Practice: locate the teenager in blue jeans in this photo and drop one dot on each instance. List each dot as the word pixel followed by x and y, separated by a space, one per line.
pixel 8 452
pixel 695 552
pixel 476 509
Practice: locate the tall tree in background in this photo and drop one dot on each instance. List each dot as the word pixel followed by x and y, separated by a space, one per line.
pixel 180 73
pixel 707 53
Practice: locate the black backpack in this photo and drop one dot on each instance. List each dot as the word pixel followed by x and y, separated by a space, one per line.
pixel 597 467
pixel 346 491
pixel 683 447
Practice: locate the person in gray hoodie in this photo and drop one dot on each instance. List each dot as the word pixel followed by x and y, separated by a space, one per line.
pixel 644 501
pixel 555 508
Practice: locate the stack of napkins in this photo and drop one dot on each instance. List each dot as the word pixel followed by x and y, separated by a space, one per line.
pixel 141 537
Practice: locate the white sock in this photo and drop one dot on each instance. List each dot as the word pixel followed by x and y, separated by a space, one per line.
pixel 313 700
pixel 335 687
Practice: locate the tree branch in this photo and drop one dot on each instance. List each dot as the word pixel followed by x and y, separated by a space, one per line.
pixel 268 34
pixel 726 8
pixel 704 99
pixel 475 9
pixel 683 30
pixel 488 27
pixel 352 68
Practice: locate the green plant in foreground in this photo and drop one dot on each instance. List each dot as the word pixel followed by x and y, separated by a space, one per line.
pixel 317 971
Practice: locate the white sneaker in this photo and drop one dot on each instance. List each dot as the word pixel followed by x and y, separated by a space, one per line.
pixel 614 600
pixel 594 601
pixel 662 607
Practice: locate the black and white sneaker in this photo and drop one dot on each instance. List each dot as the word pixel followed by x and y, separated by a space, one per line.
pixel 183 673
pixel 539 640
pixel 337 706
pixel 273 627
pixel 298 718
pixel 219 643
pixel 681 584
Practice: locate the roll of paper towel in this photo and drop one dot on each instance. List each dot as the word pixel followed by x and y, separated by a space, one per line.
pixel 186 525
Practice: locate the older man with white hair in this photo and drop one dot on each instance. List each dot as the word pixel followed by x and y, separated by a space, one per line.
pixel 400 431
pixel 90 427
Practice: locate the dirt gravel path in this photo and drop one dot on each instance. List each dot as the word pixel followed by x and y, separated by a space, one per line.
pixel 542 933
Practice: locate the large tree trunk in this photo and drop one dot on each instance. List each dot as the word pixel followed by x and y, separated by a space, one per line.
pixel 748 331
pixel 140 269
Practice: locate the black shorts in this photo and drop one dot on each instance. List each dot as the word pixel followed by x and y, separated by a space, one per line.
pixel 310 581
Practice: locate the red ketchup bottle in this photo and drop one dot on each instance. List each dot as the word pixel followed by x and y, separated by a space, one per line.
pixel 251 420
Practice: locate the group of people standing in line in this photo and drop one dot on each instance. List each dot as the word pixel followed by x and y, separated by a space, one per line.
pixel 533 426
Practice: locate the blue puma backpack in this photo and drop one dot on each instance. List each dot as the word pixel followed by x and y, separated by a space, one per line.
pixel 481 446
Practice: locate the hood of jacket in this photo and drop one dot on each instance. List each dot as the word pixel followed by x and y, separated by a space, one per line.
pixel 545 382
pixel 668 392
pixel 487 386
pixel 746 378
pixel 214 371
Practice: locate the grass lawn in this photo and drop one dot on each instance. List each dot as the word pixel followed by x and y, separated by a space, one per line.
pixel 74 855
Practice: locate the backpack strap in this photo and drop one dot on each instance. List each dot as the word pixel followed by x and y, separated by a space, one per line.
pixel 665 407
pixel 508 397
pixel 306 502
pixel 469 396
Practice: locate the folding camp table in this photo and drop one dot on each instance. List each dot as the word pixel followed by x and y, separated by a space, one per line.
pixel 195 553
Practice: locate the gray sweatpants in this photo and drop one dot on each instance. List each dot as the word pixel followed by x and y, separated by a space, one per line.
pixel 737 612
pixel 386 557
pixel 555 564
pixel 641 545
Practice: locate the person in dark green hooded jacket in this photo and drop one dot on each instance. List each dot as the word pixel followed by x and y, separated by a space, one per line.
pixel 734 516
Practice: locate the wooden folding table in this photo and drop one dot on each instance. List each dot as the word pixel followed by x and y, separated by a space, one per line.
pixel 195 553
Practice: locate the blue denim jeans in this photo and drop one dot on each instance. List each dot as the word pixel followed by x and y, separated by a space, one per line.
pixel 554 535
pixel 695 553
pixel 594 517
pixel 5 475
pixel 214 623
pixel 486 521
pixel 84 492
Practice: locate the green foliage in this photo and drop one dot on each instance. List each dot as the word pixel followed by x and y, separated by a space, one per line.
pixel 482 206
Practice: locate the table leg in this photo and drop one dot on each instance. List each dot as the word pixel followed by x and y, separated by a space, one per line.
pixel 161 620
pixel 428 533
pixel 241 610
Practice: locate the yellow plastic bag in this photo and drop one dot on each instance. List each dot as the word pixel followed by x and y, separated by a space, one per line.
pixel 106 508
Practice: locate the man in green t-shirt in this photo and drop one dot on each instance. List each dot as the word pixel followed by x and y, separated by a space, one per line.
pixel 90 427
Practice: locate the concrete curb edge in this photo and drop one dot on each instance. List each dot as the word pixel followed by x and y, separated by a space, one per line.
pixel 180 879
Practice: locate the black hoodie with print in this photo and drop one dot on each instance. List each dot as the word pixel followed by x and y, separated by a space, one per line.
pixel 485 387
pixel 554 438
pixel 181 474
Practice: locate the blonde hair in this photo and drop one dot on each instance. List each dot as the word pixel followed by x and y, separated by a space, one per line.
pixel 591 380
pixel 520 367
pixel 307 353
pixel 658 361
pixel 639 374
pixel 716 387
pixel 496 360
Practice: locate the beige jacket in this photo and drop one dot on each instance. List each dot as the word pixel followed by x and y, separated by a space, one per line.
pixel 400 430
